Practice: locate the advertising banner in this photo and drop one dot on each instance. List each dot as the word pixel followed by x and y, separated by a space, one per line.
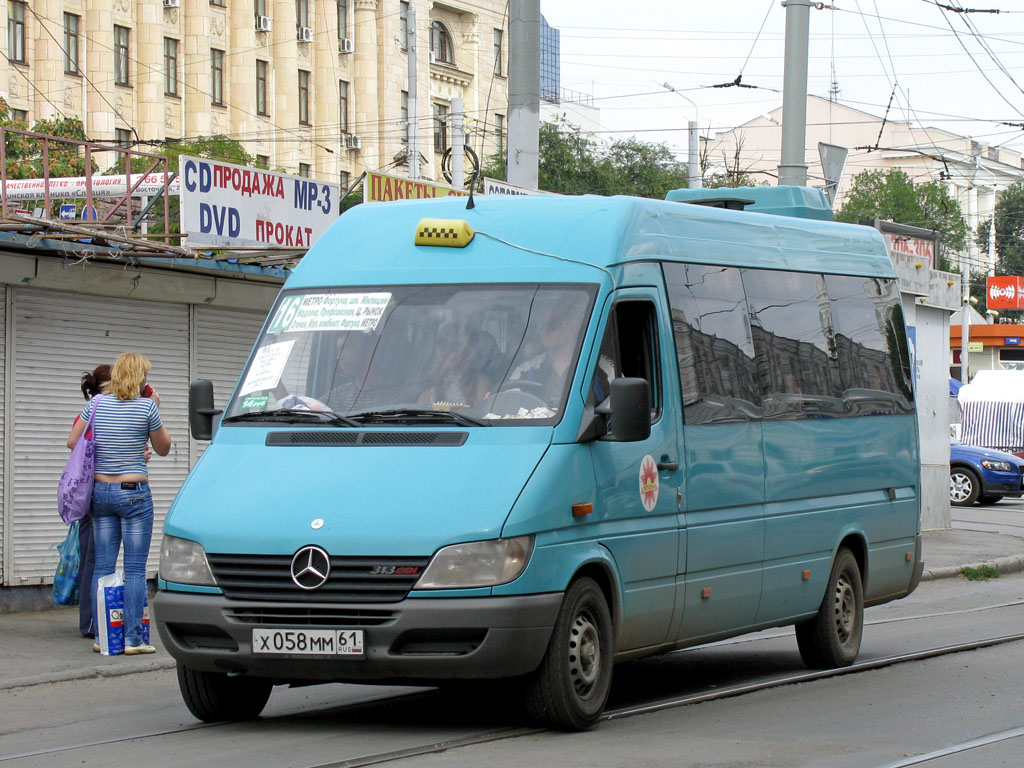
pixel 1005 292
pixel 382 188
pixel 918 247
pixel 497 187
pixel 69 187
pixel 226 204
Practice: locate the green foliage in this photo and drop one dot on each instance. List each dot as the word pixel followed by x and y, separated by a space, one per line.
pixel 25 155
pixel 981 573
pixel 731 179
pixel 892 196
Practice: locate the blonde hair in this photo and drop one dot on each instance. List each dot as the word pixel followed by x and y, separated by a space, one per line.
pixel 127 375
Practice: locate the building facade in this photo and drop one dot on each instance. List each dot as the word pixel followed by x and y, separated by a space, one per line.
pixel 973 173
pixel 314 87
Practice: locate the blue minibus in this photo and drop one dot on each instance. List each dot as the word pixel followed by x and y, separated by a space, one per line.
pixel 528 438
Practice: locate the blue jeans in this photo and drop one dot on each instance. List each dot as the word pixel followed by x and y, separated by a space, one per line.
pixel 123 514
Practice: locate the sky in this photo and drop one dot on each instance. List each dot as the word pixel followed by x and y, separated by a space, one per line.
pixel 961 72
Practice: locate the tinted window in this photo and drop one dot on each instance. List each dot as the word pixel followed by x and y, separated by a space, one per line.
pixel 797 366
pixel 629 348
pixel 714 349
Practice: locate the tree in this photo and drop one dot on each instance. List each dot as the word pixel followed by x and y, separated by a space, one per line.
pixel 1009 231
pixel 571 163
pixel 25 154
pixel 892 196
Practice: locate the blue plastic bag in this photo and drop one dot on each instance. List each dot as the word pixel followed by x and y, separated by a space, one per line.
pixel 65 580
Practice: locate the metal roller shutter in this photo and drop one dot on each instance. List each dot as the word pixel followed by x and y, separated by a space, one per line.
pixel 56 337
pixel 223 340
pixel 3 421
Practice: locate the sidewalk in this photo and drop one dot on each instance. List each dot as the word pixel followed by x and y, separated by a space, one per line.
pixel 39 647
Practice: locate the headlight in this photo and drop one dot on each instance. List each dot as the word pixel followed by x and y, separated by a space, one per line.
pixel 997 466
pixel 477 564
pixel 184 562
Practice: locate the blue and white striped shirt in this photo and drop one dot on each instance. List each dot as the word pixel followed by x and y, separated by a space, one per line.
pixel 121 430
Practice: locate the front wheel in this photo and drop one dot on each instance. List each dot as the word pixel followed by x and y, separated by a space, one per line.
pixel 964 487
pixel 214 697
pixel 569 689
pixel 832 638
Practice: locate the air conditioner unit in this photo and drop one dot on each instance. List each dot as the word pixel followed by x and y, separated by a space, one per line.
pixel 346 45
pixel 172 3
pixel 305 34
pixel 353 142
pixel 262 23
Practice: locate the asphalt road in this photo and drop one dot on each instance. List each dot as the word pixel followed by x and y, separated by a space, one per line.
pixel 881 716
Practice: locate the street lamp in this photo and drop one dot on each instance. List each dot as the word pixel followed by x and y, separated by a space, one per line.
pixel 693 166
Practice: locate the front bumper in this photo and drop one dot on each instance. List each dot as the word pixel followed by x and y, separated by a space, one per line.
pixel 995 483
pixel 417 640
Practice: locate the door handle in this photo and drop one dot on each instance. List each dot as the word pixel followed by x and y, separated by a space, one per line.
pixel 667 466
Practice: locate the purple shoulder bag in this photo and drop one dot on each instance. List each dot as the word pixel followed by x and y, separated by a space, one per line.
pixel 74 493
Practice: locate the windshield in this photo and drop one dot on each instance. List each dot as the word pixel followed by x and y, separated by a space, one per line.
pixel 446 354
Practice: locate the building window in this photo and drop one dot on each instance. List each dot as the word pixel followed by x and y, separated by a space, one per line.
pixel 71 22
pixel 263 161
pixel 346 180
pixel 260 6
pixel 403 24
pixel 123 137
pixel 217 77
pixel 342 19
pixel 441 44
pixel 261 88
pixel 170 66
pixel 304 170
pixel 122 37
pixel 440 127
pixel 20 116
pixel 405 116
pixel 499 134
pixel 302 13
pixel 16 31
pixel 499 36
pixel 303 97
pixel 343 106
pixel 218 3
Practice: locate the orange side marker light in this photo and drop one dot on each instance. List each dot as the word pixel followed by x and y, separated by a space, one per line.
pixel 582 510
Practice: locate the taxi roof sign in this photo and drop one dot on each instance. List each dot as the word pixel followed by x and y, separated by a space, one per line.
pixel 448 233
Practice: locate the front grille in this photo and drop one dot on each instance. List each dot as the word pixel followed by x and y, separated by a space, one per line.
pixel 310 617
pixel 268 577
pixel 337 439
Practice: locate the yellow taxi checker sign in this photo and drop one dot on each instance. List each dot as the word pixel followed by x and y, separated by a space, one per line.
pixel 450 233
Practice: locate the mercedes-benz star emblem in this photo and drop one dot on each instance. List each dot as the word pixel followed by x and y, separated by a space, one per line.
pixel 310 568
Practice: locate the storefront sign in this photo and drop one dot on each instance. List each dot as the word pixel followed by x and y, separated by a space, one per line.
pixel 975 346
pixel 1005 292
pixel 1011 341
pixel 225 204
pixel 496 187
pixel 381 188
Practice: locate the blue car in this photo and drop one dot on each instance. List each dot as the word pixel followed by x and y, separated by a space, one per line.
pixel 982 475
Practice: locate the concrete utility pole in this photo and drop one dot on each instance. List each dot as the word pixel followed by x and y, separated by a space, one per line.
pixel 413 142
pixel 693 176
pixel 793 169
pixel 458 145
pixel 523 93
pixel 965 327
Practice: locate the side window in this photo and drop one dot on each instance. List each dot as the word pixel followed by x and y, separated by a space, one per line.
pixel 797 366
pixel 629 348
pixel 714 348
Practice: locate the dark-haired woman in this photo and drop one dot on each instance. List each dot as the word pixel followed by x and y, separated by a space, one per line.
pixel 94 382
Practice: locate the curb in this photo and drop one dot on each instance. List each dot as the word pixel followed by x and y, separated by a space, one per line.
pixel 154 665
pixel 1008 564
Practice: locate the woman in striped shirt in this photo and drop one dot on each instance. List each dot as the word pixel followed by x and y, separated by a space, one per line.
pixel 122 506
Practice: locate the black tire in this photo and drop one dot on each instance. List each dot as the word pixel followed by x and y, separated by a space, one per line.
pixel 569 689
pixel 832 638
pixel 213 697
pixel 993 499
pixel 964 487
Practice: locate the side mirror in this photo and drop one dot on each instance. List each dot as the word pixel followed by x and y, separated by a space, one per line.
pixel 201 409
pixel 630 410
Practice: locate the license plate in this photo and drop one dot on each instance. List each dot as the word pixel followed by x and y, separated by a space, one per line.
pixel 311 642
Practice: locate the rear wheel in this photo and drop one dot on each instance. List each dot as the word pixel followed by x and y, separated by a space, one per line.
pixel 832 637
pixel 964 487
pixel 213 697
pixel 569 689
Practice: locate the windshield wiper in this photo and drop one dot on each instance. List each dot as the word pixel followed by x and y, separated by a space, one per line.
pixel 293 415
pixel 418 415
